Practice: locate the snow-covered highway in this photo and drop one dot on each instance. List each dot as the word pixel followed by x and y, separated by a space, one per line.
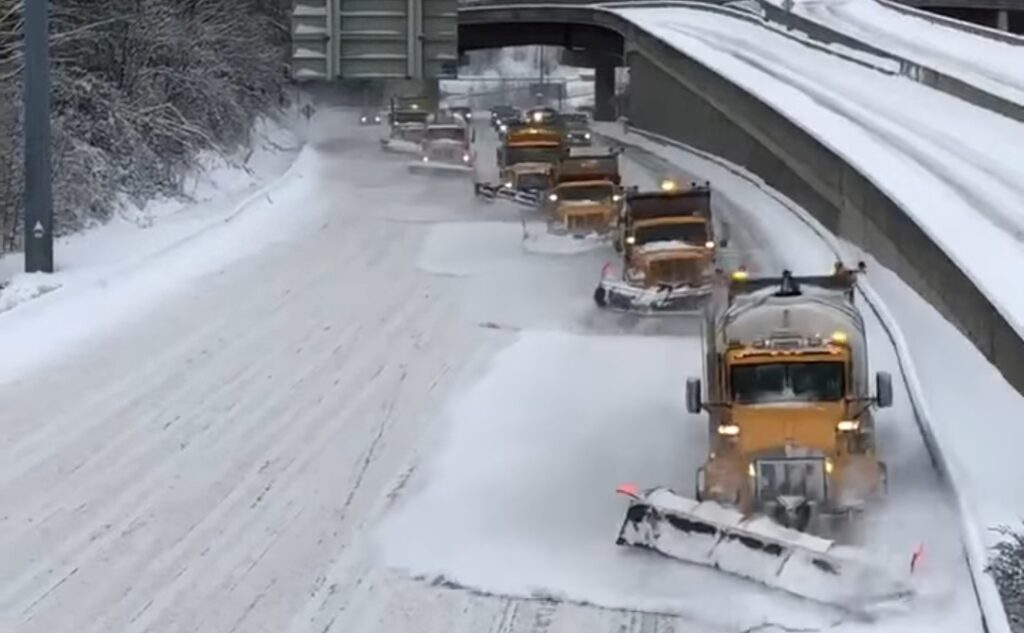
pixel 222 461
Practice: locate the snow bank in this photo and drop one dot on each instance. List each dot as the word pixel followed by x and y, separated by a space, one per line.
pixel 520 499
pixel 116 272
pixel 211 193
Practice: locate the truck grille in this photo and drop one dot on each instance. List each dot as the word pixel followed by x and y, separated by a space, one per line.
pixel 586 221
pixel 676 271
pixel 445 153
pixel 532 181
pixel 802 477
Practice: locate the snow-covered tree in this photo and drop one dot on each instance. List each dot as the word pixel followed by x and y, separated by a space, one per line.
pixel 139 89
pixel 1007 567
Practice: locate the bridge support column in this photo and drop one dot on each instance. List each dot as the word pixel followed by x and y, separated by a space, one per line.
pixel 604 91
pixel 1003 20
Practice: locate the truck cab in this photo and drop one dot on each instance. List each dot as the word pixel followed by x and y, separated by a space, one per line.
pixel 447 143
pixel 667 238
pixel 790 426
pixel 407 118
pixel 528 156
pixel 587 196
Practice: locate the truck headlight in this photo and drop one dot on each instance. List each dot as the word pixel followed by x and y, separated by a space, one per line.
pixel 848 426
pixel 709 244
pixel 553 197
pixel 426 159
pixel 587 136
pixel 631 239
pixel 508 185
pixel 729 430
pixel 829 466
pixel 465 158
pixel 617 198
pixel 503 127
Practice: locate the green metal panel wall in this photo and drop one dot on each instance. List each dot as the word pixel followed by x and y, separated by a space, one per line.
pixel 364 39
pixel 312 54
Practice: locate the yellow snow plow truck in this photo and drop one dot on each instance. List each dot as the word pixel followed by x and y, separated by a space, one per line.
pixel 667 240
pixel 526 161
pixel 792 443
pixel 587 196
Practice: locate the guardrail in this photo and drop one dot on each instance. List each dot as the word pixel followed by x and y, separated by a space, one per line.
pixel 719 117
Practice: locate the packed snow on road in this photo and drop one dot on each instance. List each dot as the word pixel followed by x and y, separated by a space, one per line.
pixel 362 405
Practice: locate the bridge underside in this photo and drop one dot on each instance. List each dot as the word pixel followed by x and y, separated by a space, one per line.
pixel 586 45
pixel 586 37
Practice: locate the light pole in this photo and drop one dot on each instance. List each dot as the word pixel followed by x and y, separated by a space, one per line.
pixel 38 187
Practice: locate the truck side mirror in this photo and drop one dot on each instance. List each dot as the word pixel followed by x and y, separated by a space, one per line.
pixel 883 389
pixel 693 400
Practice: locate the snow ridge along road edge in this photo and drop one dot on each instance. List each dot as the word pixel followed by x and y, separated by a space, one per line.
pixel 917 72
pixel 14 364
pixel 994 617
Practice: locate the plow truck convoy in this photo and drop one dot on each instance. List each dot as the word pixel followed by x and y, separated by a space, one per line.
pixel 667 241
pixel 407 122
pixel 446 149
pixel 526 160
pixel 587 196
pixel 791 454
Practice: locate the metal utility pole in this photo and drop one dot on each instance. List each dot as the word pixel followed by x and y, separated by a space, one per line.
pixel 38 186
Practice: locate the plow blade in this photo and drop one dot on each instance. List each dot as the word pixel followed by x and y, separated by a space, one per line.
pixel 620 296
pixel 441 169
pixel 758 549
pixel 399 146
pixel 526 198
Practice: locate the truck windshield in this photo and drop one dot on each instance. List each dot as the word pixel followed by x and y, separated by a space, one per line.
pixel 515 155
pixel 691 232
pixel 446 133
pixel 787 382
pixel 597 193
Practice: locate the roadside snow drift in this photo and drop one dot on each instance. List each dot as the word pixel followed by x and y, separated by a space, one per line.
pixel 520 500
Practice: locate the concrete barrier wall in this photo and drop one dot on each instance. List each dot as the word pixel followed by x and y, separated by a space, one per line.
pixel 715 115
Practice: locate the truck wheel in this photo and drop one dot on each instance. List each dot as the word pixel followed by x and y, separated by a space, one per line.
pixel 600 297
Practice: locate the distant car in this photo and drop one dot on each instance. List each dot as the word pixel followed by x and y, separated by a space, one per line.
pixel 504 115
pixel 541 114
pixel 465 112
pixel 370 118
pixel 577 129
